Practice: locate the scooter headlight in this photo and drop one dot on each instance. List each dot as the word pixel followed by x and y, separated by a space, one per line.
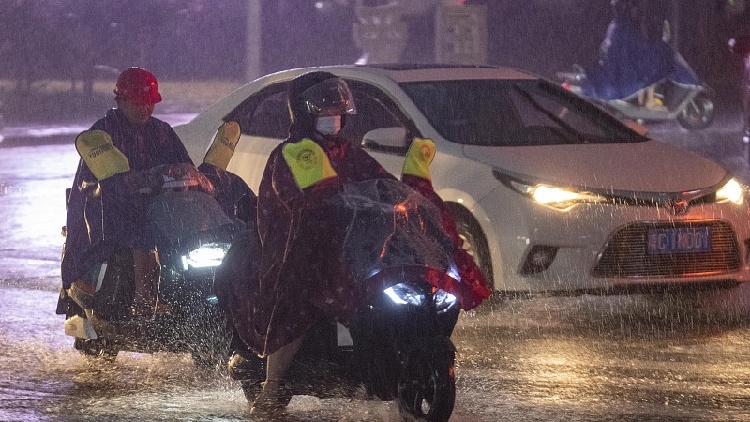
pixel 405 294
pixel 444 300
pixel 208 255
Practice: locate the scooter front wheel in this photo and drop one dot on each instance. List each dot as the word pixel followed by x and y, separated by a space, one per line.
pixel 698 113
pixel 427 387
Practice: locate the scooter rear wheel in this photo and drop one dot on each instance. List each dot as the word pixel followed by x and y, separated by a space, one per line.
pixel 98 349
pixel 698 113
pixel 427 387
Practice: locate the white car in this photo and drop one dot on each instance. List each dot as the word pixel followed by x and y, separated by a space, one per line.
pixel 550 192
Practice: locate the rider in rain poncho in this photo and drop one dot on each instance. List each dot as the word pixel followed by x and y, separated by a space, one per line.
pixel 300 276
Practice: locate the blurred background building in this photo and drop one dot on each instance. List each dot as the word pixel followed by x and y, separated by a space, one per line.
pixel 238 40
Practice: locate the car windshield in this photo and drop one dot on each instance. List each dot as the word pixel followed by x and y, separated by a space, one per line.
pixel 494 112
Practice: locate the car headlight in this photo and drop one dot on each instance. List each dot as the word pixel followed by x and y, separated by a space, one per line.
pixel 553 196
pixel 208 255
pixel 731 192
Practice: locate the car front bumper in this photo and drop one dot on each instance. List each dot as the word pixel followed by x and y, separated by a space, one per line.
pixel 536 248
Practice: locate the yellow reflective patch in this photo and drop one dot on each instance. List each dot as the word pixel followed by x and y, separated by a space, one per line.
pixel 308 162
pixel 420 156
pixel 100 155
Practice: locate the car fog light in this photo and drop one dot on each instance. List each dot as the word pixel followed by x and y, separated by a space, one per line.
pixel 538 259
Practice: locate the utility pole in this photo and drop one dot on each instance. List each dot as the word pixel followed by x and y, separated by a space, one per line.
pixel 675 25
pixel 254 51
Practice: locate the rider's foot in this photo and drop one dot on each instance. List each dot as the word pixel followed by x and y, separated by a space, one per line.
pixel 746 137
pixel 271 400
pixel 243 365
pixel 655 106
pixel 82 293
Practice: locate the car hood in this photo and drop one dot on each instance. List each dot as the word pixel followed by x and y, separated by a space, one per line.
pixel 649 166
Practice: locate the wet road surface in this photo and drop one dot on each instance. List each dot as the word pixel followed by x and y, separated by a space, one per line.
pixel 617 358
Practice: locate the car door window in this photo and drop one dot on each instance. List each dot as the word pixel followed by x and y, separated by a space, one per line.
pixel 264 114
pixel 374 110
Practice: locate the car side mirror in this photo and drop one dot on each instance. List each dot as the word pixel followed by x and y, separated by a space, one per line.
pixel 386 139
pixel 637 127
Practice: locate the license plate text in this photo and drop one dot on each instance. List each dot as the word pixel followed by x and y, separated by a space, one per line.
pixel 679 240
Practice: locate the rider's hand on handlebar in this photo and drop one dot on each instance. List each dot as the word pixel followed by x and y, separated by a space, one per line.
pixel 141 181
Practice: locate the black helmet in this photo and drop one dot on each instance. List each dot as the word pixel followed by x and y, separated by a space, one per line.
pixel 315 94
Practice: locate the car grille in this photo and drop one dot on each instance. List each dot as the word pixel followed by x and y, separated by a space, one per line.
pixel 626 253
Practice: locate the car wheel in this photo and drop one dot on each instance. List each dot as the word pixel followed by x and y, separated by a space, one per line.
pixel 474 241
pixel 698 113
pixel 427 387
pixel 99 349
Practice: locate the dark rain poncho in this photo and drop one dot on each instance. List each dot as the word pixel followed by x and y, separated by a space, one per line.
pixel 228 187
pixel 632 63
pixel 304 271
pixel 104 217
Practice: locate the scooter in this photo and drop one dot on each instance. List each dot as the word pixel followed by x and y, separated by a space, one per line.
pixel 192 234
pixel 691 105
pixel 398 346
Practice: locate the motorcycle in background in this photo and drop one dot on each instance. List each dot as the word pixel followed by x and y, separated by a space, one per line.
pixel 398 343
pixel 692 106
pixel 192 235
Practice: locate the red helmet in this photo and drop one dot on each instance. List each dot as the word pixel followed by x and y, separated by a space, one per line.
pixel 137 85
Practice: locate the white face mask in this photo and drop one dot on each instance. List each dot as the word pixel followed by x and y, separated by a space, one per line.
pixel 328 125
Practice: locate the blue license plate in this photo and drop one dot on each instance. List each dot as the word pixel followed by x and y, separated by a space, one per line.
pixel 679 240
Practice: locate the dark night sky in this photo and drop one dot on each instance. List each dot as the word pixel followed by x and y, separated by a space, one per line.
pixel 207 39
pixel 543 36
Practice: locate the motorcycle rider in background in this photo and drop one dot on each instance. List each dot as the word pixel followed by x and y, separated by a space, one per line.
pixel 103 218
pixel 296 285
pixel 741 46
pixel 635 55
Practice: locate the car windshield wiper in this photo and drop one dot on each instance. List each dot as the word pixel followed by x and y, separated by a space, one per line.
pixel 570 133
